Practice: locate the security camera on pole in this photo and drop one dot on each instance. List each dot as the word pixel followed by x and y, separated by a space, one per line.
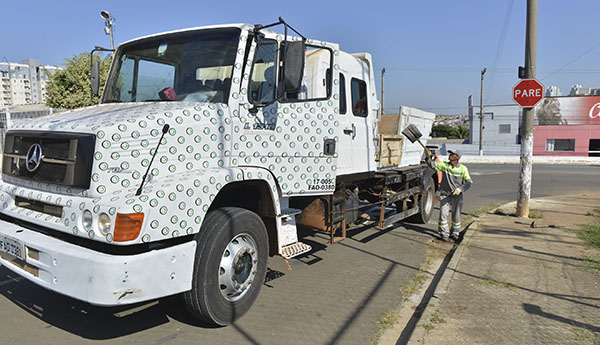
pixel 109 20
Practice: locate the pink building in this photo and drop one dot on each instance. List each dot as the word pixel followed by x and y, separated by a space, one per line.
pixel 567 126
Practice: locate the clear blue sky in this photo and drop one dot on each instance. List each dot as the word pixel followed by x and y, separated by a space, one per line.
pixel 433 51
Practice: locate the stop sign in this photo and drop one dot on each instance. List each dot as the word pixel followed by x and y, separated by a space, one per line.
pixel 528 92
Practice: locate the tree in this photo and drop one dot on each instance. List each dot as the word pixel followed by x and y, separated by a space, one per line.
pixel 443 131
pixel 450 132
pixel 462 132
pixel 69 88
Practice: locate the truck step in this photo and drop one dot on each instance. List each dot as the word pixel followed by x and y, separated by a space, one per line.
pixel 289 212
pixel 295 249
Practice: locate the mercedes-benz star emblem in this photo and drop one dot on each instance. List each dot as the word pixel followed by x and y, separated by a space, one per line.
pixel 34 157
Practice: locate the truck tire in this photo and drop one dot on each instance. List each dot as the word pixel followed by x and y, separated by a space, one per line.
pixel 229 267
pixel 426 201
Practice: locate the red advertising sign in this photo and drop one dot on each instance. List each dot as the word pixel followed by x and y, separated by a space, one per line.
pixel 528 92
pixel 569 110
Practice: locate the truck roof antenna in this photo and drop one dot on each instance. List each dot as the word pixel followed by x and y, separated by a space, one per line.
pixel 165 129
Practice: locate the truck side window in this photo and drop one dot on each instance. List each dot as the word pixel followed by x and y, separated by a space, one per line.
pixel 342 94
pixel 317 78
pixel 359 97
pixel 263 82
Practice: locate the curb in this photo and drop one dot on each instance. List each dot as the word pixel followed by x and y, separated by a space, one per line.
pixel 413 308
pixel 441 289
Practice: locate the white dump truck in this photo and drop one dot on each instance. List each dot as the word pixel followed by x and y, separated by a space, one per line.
pixel 209 145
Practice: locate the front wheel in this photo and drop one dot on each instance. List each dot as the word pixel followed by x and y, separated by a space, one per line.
pixel 230 265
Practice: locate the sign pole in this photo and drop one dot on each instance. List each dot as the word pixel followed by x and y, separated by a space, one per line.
pixel 528 113
pixel 481 116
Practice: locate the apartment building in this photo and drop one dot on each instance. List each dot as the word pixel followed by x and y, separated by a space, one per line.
pixel 24 83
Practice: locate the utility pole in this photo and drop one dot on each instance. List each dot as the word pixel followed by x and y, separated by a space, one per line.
pixel 527 120
pixel 382 103
pixel 481 115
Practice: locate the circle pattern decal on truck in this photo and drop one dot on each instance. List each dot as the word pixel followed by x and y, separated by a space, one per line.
pixel 207 147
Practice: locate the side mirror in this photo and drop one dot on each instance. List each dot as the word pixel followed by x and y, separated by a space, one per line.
pixel 293 66
pixel 95 78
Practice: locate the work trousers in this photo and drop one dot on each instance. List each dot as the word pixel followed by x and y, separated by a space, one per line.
pixel 450 204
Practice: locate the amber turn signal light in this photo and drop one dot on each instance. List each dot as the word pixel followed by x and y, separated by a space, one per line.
pixel 128 226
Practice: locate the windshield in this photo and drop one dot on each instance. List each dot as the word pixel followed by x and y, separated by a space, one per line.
pixel 192 67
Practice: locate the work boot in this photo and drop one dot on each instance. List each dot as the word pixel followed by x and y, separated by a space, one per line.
pixel 444 237
pixel 455 236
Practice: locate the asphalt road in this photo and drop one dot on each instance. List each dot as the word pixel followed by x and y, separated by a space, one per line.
pixel 335 295
pixel 496 183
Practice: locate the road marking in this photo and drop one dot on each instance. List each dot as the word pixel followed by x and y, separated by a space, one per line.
pixel 482 173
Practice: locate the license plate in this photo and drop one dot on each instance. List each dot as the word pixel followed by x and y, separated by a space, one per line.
pixel 12 247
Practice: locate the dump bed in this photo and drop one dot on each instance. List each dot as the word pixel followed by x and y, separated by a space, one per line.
pixel 394 149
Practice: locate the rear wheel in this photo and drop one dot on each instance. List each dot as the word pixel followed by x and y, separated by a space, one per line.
pixel 426 201
pixel 230 265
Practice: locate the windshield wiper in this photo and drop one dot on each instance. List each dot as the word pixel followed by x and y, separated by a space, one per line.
pixel 113 101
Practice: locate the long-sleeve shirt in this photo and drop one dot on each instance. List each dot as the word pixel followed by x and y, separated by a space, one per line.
pixel 452 177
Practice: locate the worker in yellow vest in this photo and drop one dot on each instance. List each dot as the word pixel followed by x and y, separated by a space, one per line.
pixel 455 181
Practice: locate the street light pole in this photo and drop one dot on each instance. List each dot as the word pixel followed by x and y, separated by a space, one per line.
pixel 481 115
pixel 527 120
pixel 382 84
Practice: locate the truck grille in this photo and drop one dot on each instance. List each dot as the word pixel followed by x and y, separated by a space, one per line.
pixel 64 158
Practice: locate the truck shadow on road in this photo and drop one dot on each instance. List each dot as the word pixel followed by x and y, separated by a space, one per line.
pixel 83 319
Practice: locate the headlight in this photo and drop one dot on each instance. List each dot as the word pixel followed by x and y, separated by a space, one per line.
pixel 86 220
pixel 104 223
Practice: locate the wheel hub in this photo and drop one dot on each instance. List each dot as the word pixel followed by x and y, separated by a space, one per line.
pixel 237 268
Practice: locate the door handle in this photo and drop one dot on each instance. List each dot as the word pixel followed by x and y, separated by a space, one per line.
pixel 351 131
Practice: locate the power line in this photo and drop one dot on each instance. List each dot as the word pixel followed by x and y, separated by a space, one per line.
pixel 500 44
pixel 570 62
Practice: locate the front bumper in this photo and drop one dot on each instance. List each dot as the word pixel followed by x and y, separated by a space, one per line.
pixel 100 278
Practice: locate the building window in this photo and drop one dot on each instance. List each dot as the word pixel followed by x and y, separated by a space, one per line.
pixel 504 129
pixel 594 148
pixel 557 145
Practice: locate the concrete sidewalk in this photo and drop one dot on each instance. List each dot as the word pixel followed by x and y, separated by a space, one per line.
pixel 520 281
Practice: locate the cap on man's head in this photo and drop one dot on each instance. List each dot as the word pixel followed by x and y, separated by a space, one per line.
pixel 454 152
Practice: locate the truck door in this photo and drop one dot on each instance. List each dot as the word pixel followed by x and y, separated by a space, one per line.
pixel 354 141
pixel 287 134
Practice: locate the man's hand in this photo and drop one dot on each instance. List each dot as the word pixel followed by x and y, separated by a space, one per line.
pixel 456 192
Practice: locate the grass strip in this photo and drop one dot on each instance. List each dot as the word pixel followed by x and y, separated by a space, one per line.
pixel 590 234
pixel 387 320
